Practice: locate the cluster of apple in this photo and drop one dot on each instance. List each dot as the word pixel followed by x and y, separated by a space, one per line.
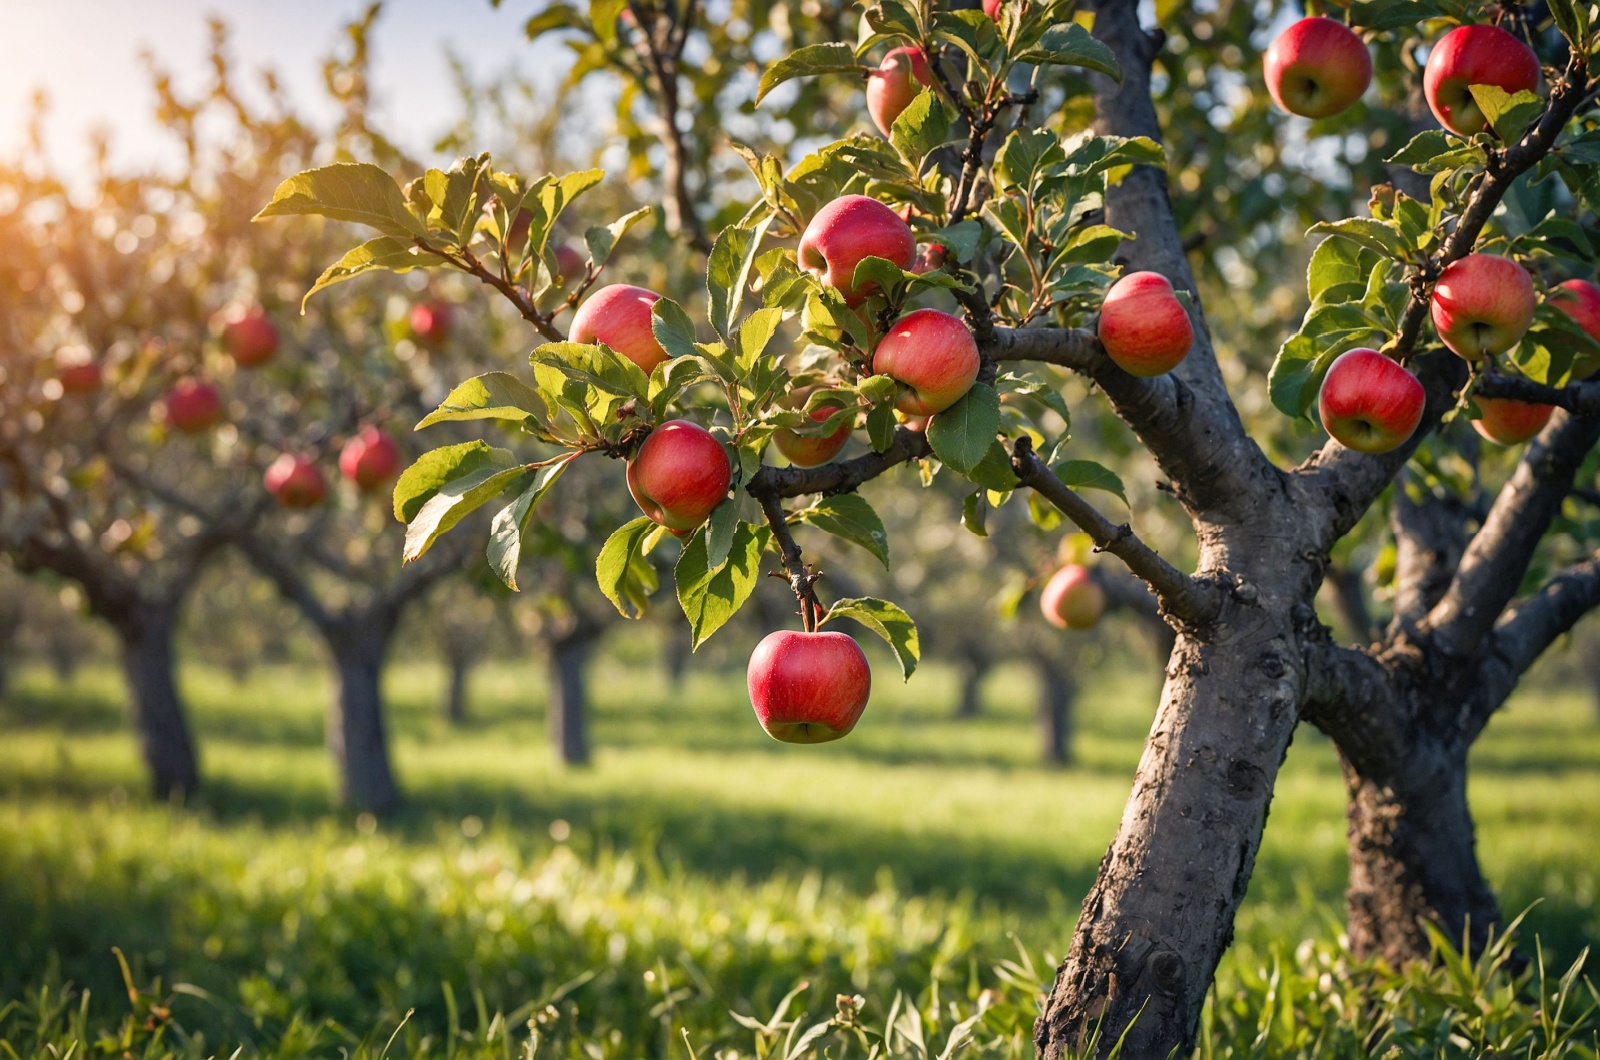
pixel 1482 304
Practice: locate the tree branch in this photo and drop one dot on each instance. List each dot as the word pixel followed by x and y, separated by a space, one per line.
pixel 1528 628
pixel 661 58
pixel 801 578
pixel 842 476
pixel 1580 398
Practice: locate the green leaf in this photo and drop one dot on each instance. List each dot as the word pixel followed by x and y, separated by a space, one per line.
pixel 1088 475
pixel 673 328
pixel 728 275
pixel 710 597
pixel 493 396
pixel 383 252
pixel 419 482
pixel 1337 262
pixel 1381 15
pixel 347 191
pixel 880 427
pixel 625 573
pixel 1381 236
pixel 962 433
pixel 1509 115
pixel 849 516
pixel 960 240
pixel 1024 154
pixel 719 531
pixel 601 240
pixel 975 513
pixel 453 502
pixel 887 621
pixel 831 58
pixel 922 128
pixel 1069 44
pixel 754 334
pixel 1423 148
pixel 994 470
pixel 510 524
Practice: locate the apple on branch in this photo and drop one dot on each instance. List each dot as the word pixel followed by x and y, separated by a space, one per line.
pixel 679 475
pixel 1475 55
pixel 1072 599
pixel 1144 328
pixel 1369 402
pixel 1317 68
pixel 1506 421
pixel 619 316
pixel 193 406
pixel 898 80
pixel 76 371
pixel 847 230
pixel 1580 300
pixel 249 336
pixel 810 450
pixel 430 322
pixel 808 687
pixel 295 481
pixel 933 357
pixel 1482 305
pixel 369 459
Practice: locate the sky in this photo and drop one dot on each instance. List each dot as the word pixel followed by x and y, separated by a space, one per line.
pixel 85 55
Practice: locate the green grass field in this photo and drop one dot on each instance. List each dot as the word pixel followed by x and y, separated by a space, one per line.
pixel 696 868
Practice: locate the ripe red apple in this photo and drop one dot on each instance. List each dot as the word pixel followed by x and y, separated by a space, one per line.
pixel 1580 300
pixel 992 8
pixel 619 316
pixel 369 459
pixel 1474 55
pixel 848 229
pixel 1510 422
pixel 1317 68
pixel 193 406
pixel 295 481
pixel 430 322
pixel 679 474
pixel 1370 403
pixel 250 337
pixel 569 262
pixel 1072 599
pixel 803 450
pixel 897 81
pixel 1143 326
pixel 928 259
pixel 808 687
pixel 932 356
pixel 76 373
pixel 1483 305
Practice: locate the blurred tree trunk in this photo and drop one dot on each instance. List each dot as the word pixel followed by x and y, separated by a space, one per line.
pixel 675 653
pixel 1056 694
pixel 158 716
pixel 455 691
pixel 357 739
pixel 973 665
pixel 569 691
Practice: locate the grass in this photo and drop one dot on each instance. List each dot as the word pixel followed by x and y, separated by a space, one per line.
pixel 696 868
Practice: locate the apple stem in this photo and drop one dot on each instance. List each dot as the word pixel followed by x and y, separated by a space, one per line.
pixel 802 578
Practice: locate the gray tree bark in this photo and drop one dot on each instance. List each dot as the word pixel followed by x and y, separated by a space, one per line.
pixel 568 710
pixel 1057 691
pixel 455 692
pixel 159 718
pixel 356 727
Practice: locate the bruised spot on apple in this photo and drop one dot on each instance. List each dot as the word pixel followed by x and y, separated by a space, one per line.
pixel 369 459
pixel 193 406
pixel 1483 305
pixel 1072 599
pixel 845 231
pixel 932 356
pixel 1506 421
pixel 249 336
pixel 1369 402
pixel 897 81
pixel 810 450
pixel 1317 68
pixel 1143 327
pixel 430 322
pixel 679 475
pixel 1580 300
pixel 619 316
pixel 295 481
pixel 808 687
pixel 1474 55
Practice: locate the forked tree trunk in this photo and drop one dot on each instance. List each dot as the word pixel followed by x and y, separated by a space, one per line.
pixel 158 714
pixel 1056 693
pixel 356 731
pixel 569 694
pixel 455 692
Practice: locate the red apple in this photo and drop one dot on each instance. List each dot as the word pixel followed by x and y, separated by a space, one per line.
pixel 1510 422
pixel 619 316
pixel 928 259
pixel 992 8
pixel 76 372
pixel 1580 300
pixel 1317 68
pixel 369 459
pixel 808 687
pixel 430 322
pixel 569 262
pixel 847 230
pixel 193 406
pixel 679 474
pixel 897 81
pixel 1072 599
pixel 932 356
pixel 250 337
pixel 1370 403
pixel 295 481
pixel 1483 305
pixel 1143 326
pixel 810 450
pixel 1474 55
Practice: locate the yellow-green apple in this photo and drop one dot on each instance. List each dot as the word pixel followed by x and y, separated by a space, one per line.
pixel 430 322
pixel 1143 326
pixel 1072 599
pixel 897 81
pixel 1317 68
pixel 1474 55
pixel 1482 305
pixel 1369 402
pixel 249 336
pixel 569 262
pixel 810 450
pixel 619 316
pixel 1510 422
pixel 1580 300
pixel 369 459
pixel 295 481
pixel 193 406
pixel 808 687
pixel 932 356
pixel 845 231
pixel 76 372
pixel 678 475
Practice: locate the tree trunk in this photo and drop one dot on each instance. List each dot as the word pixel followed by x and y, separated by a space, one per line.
pixel 568 711
pixel 356 732
pixel 158 714
pixel 455 693
pixel 1056 693
pixel 972 670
